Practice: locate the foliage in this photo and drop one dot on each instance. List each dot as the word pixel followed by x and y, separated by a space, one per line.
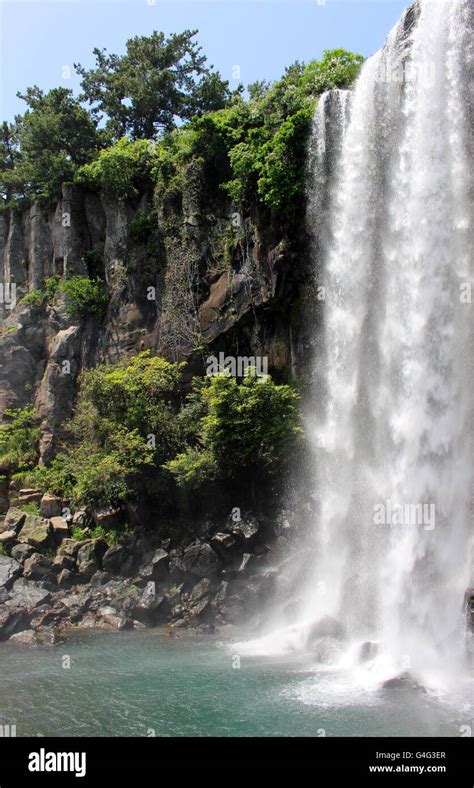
pixel 45 294
pixel 19 436
pixel 84 297
pixel 56 136
pixel 120 168
pixel 32 507
pixel 248 428
pixel 157 81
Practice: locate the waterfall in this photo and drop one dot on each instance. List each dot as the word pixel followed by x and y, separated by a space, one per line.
pixel 390 196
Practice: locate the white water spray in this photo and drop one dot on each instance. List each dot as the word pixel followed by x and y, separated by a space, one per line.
pixel 390 197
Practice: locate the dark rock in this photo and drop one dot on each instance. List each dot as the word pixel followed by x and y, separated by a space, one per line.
pixel 9 571
pixel 63 562
pixel 108 517
pixel 29 593
pixel 247 534
pixel 225 545
pixel 368 650
pixel 66 578
pixel 403 681
pixel 114 558
pixel 325 627
pixel 156 566
pixel 100 578
pixel 200 560
pixel 200 590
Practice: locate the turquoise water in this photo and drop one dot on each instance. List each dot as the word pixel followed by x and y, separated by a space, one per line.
pixel 145 683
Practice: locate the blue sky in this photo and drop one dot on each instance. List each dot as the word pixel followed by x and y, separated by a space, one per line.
pixel 39 39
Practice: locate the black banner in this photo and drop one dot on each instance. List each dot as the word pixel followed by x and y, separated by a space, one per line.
pixel 62 761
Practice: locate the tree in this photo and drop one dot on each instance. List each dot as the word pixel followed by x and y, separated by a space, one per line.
pixel 10 157
pixel 157 81
pixel 56 136
pixel 19 436
pixel 247 431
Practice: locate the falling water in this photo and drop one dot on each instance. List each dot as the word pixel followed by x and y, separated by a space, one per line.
pixel 390 195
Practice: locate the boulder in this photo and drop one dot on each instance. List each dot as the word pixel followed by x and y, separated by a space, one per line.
pixel 225 545
pixel 114 558
pixel 26 638
pixel 50 506
pixel 200 560
pixel 29 593
pixel 36 531
pixel 325 627
pixel 63 562
pixel 87 561
pixel 14 519
pixel 156 566
pixel 20 552
pixel 246 533
pixel 38 567
pixel 369 650
pixel 89 557
pixel 66 578
pixel 9 571
pixel 108 517
pixel 7 538
pixel 108 615
pixel 29 496
pixel 60 528
pixel 200 591
pixel 12 620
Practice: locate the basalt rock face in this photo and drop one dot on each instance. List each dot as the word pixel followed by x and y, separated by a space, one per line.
pixel 177 278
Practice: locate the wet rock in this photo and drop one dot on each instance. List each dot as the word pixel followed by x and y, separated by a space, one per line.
pixel 200 590
pixel 12 620
pixel 325 627
pixel 327 651
pixel 113 619
pixel 368 650
pixel 50 506
pixel 403 680
pixel 225 545
pixel 9 571
pixel 26 638
pixel 36 531
pixel 156 566
pixel 200 560
pixel 246 534
pixel 247 562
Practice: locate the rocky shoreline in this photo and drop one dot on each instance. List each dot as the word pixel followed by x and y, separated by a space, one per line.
pixel 50 583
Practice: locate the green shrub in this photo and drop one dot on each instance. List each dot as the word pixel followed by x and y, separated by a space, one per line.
pixel 84 297
pixel 32 507
pixel 119 169
pixel 248 428
pixel 19 436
